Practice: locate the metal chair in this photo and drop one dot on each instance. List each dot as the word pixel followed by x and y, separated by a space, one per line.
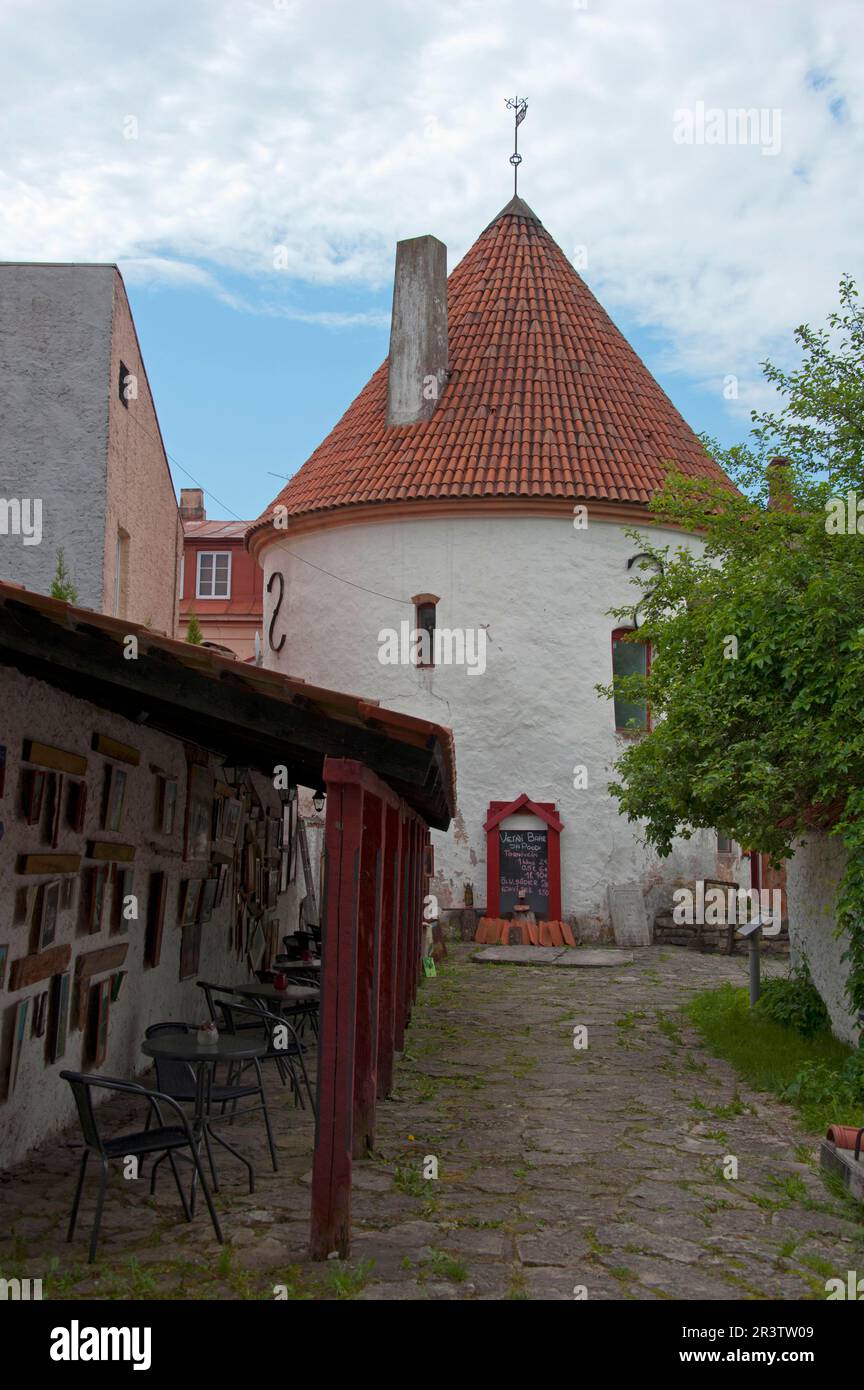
pixel 177 1079
pixel 164 1139
pixel 288 1059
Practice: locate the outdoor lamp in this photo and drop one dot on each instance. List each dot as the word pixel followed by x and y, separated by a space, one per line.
pixel 318 801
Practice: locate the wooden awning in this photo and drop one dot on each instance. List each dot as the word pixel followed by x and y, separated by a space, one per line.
pixel 249 716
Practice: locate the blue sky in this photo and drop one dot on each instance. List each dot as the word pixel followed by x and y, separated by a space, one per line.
pixel 243 396
pixel 195 145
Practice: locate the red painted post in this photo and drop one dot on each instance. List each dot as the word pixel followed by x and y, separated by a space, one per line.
pixel 419 925
pixel 331 1168
pixel 389 943
pixel 368 945
pixel 402 966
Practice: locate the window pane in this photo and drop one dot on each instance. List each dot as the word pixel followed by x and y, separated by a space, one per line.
pixel 222 572
pixel 629 659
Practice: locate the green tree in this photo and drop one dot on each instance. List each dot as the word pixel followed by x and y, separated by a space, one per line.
pixel 757 671
pixel 61 585
pixel 193 631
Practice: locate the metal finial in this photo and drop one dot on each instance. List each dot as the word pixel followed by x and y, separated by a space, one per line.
pixel 519 105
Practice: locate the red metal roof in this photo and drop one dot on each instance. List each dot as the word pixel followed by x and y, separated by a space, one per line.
pixel 546 398
pixel 194 530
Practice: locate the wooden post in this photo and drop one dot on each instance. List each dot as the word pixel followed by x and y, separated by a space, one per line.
pixel 367 831
pixel 331 1167
pixel 368 960
pixel 402 952
pixel 390 897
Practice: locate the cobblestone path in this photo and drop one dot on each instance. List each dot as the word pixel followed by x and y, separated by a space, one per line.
pixel 558 1169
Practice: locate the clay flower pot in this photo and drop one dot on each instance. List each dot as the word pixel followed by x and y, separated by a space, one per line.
pixel 843 1136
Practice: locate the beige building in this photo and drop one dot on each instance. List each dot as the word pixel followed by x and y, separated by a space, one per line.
pixel 83 467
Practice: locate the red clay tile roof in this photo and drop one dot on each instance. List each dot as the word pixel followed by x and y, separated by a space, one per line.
pixel 546 398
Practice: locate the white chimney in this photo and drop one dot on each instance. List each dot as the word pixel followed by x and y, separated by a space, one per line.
pixel 418 331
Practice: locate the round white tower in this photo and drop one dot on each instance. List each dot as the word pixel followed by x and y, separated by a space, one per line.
pixel 453 549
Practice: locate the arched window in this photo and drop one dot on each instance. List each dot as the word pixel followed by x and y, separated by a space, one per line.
pixel 630 658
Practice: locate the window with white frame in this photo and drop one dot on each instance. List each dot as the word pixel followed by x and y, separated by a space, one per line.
pixel 214 574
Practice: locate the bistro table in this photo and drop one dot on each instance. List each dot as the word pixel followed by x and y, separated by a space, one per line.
pixel 291 994
pixel 202 1057
pixel 308 967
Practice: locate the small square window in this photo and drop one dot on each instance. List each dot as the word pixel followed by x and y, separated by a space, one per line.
pixel 214 574
pixel 123 381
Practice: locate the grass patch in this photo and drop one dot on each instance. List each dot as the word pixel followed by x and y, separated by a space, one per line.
pixel 770 1057
pixel 439 1265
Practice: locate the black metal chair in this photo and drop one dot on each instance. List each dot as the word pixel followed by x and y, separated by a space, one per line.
pixel 287 1055
pixel 177 1079
pixel 164 1139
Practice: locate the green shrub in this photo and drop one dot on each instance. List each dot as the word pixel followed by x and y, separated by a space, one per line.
pixel 820 1087
pixel 795 1002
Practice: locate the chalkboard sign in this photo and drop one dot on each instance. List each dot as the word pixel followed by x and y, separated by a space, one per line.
pixel 524 865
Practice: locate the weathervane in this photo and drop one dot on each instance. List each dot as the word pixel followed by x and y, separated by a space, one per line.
pixel 519 105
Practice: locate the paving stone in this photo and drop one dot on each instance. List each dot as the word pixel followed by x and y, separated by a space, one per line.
pixel 557 1168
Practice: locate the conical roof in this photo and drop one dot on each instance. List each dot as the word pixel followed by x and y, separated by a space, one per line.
pixel 546 399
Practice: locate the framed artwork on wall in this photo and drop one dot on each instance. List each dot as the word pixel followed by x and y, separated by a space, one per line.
pixel 231 818
pixel 190 901
pixel 47 908
pixel 209 889
pixel 33 784
pixel 55 806
pixel 124 889
pixel 19 1033
pixel 40 1010
pixel 2 768
pixel 115 797
pixel 93 898
pixel 166 804
pixel 199 812
pixel 76 806
pixel 156 898
pixel 4 956
pixel 190 950
pixel 58 1016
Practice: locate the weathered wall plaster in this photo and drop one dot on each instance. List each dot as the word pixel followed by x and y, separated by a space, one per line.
pixel 812 878
pixel 541 591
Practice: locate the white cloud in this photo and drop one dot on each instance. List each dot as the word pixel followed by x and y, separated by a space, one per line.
pixel 331 129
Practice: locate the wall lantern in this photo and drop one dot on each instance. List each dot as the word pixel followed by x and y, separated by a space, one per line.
pixel 318 801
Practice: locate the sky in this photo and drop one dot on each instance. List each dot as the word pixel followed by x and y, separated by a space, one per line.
pixel 251 164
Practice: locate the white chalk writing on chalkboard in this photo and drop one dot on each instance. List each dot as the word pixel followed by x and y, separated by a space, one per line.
pixel 524 868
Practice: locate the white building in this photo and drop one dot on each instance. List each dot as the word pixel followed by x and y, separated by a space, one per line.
pixel 482 484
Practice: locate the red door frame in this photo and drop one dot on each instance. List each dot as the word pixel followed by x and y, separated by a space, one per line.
pixel 499 811
pixel 371 921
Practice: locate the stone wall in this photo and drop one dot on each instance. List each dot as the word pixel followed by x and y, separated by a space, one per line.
pixel 55 348
pixel 812 879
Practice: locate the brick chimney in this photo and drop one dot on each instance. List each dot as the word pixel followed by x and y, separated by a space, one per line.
pixel 192 504
pixel 418 331
pixel 779 490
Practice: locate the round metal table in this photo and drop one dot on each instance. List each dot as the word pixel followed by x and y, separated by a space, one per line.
pixel 202 1057
pixel 291 994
